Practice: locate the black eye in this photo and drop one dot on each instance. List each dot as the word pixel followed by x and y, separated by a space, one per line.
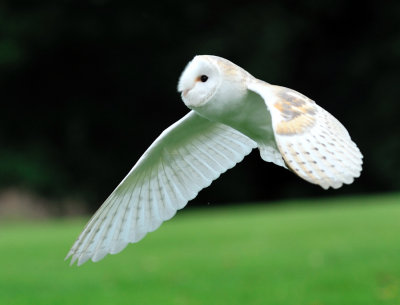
pixel 203 78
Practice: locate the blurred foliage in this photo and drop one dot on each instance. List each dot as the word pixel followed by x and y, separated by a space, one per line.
pixel 87 85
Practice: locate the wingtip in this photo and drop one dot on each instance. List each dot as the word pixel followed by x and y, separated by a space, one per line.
pixel 83 259
pixel 73 259
pixel 68 256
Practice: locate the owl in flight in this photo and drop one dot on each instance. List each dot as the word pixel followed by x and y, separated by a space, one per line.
pixel 232 112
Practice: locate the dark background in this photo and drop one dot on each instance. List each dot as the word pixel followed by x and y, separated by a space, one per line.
pixel 86 86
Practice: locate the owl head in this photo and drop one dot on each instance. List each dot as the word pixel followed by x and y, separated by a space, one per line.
pixel 209 78
pixel 199 81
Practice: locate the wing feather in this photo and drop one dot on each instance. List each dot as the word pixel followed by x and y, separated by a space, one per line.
pixel 186 157
pixel 313 143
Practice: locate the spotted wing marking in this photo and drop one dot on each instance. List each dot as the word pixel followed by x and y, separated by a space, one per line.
pixel 313 143
pixel 297 112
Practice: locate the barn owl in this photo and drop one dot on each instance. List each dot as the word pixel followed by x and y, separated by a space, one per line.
pixel 232 112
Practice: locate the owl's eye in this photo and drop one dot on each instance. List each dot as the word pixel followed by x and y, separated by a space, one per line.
pixel 203 78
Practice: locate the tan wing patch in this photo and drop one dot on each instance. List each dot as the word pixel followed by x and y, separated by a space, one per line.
pixel 324 154
pixel 297 112
pixel 313 144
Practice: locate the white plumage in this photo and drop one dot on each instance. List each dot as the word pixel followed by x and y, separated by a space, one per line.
pixel 232 113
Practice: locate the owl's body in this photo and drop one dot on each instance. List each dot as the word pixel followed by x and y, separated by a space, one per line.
pixel 232 113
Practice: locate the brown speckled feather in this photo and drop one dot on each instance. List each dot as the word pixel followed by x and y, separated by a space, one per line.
pixel 314 144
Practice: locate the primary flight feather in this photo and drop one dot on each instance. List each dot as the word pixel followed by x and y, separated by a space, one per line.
pixel 232 112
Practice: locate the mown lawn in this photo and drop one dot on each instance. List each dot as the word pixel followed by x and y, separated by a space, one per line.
pixel 319 252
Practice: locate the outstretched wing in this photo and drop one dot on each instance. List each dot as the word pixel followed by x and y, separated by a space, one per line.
pixel 313 143
pixel 184 159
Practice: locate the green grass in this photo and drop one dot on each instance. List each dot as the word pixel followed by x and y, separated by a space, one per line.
pixel 319 252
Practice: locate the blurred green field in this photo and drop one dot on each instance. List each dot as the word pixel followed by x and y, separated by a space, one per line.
pixel 319 252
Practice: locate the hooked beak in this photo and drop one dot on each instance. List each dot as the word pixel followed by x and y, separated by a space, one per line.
pixel 185 92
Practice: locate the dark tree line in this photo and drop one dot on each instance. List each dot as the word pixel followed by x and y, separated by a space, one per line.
pixel 86 86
